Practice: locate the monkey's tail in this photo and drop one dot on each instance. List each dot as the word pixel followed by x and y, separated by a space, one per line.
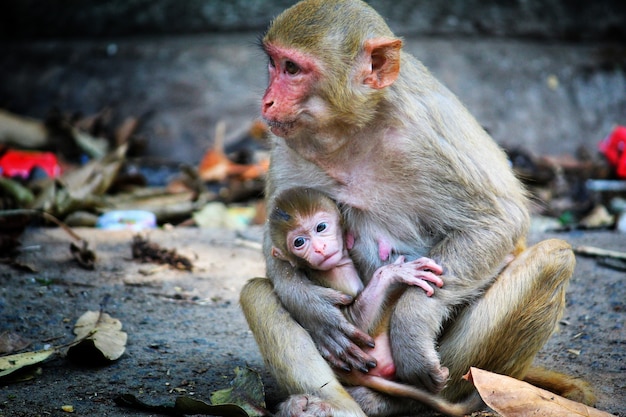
pixel 434 401
pixel 566 386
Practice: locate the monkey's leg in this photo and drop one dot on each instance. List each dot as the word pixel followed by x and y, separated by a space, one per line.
pixel 503 330
pixel 414 328
pixel 292 358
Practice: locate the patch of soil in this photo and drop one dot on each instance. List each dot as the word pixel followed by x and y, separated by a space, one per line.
pixel 186 333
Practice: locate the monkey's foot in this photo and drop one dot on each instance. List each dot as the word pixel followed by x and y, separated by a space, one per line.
pixel 437 378
pixel 305 405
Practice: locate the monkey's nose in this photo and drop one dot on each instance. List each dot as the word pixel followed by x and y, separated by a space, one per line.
pixel 267 105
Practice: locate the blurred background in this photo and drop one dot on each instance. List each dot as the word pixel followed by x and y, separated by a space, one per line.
pixel 548 75
pixel 180 82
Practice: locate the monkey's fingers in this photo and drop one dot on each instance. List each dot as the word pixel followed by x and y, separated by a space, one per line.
pixel 430 277
pixel 344 350
pixel 334 297
pixel 348 359
pixel 427 263
pixel 333 360
pixel 360 338
pixel 423 285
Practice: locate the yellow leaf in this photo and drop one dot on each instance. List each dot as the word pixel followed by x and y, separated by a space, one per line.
pixel 12 363
pixel 100 337
pixel 511 397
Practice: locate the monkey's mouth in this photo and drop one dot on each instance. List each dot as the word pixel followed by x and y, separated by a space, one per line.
pixel 330 261
pixel 280 128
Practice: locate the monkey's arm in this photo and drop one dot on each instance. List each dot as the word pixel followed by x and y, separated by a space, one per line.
pixel 473 256
pixel 387 284
pixel 316 309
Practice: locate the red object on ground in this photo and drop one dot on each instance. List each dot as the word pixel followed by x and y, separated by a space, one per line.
pixel 20 163
pixel 614 148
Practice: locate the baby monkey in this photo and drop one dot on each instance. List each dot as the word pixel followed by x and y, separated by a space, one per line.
pixel 306 230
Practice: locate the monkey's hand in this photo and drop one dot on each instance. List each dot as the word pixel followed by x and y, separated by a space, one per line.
pixel 417 273
pixel 318 310
pixel 339 341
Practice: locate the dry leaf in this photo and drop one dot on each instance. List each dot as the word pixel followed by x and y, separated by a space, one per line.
pixel 183 406
pixel 100 338
pixel 514 398
pixel 12 363
pixel 11 342
pixel 245 398
pixel 83 255
pixel 147 251
pixel 216 166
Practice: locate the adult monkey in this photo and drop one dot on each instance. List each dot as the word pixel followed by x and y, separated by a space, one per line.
pixel 367 124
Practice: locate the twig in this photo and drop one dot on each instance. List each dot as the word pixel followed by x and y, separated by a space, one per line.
pixel 599 252
pixel 47 216
pixel 82 254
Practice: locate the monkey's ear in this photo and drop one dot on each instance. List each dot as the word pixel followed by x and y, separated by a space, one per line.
pixel 383 59
pixel 278 254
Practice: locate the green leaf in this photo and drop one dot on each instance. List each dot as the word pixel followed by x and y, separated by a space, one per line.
pixel 246 391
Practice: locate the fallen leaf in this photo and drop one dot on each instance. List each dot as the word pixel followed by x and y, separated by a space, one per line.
pixel 216 166
pixel 83 255
pixel 245 398
pixel 99 339
pixel 147 251
pixel 124 131
pixel 188 405
pixel 12 363
pixel 82 188
pixel 597 218
pixel 183 406
pixel 511 397
pixel 11 342
pixel 246 391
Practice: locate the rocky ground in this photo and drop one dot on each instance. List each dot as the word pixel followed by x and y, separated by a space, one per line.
pixel 186 333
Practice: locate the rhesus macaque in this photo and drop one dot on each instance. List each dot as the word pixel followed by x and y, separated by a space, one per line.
pixel 366 123
pixel 306 230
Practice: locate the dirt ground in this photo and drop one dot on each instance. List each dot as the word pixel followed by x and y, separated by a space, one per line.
pixel 186 333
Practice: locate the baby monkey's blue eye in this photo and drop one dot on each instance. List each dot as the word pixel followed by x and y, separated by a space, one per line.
pixel 321 227
pixel 298 242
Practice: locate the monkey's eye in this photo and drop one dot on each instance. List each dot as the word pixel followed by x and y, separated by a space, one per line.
pixel 272 63
pixel 321 227
pixel 291 68
pixel 298 242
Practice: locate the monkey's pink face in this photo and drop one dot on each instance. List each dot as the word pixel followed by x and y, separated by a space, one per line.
pixel 318 241
pixel 285 104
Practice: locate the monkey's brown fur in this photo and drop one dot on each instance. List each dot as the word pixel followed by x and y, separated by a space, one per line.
pixel 367 124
